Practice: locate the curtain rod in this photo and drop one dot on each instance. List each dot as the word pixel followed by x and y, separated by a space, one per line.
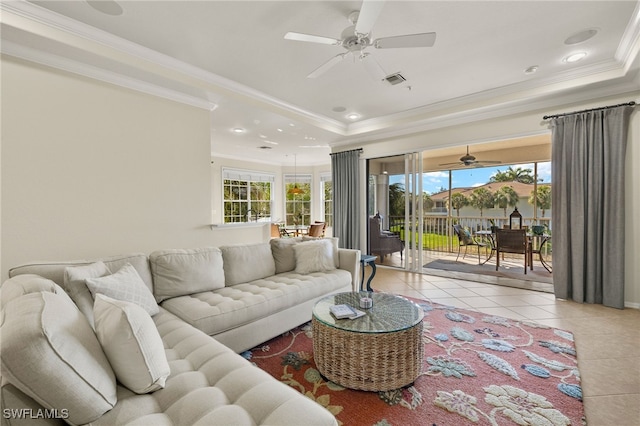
pixel 352 150
pixel 546 117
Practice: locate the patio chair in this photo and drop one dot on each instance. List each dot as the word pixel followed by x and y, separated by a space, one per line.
pixel 512 241
pixel 383 242
pixel 465 239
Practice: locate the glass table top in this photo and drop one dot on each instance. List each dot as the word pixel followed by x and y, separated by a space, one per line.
pixel 389 313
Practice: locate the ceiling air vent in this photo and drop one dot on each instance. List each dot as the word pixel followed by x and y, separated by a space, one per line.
pixel 394 79
pixel 264 147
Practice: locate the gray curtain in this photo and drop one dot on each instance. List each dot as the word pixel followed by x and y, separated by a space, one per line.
pixel 588 152
pixel 346 198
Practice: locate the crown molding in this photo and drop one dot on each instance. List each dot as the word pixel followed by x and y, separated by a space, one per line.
pixel 22 15
pixel 484 105
pixel 85 70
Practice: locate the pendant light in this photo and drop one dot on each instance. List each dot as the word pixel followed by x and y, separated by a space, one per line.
pixel 295 189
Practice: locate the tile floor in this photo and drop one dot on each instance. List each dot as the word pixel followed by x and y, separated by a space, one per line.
pixel 607 339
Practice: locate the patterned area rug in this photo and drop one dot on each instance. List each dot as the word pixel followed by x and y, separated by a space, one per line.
pixel 478 369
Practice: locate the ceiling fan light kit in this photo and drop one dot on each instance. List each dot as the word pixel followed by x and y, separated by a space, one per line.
pixel 357 37
pixel 470 160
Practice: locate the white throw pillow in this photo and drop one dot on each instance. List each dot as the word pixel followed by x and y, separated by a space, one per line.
pixel 50 352
pixel 132 344
pixel 314 256
pixel 74 284
pixel 125 285
pixel 334 242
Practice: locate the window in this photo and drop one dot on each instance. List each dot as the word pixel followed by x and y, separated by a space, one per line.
pixel 327 198
pixel 297 205
pixel 248 196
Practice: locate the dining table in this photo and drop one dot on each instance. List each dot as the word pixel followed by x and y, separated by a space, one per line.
pixel 535 244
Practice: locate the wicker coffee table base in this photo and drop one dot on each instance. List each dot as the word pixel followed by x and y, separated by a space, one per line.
pixel 368 361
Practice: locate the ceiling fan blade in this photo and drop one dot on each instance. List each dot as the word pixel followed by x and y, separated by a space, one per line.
pixel 311 38
pixel 369 12
pixel 457 163
pixel 373 67
pixel 326 66
pixel 411 40
pixel 488 162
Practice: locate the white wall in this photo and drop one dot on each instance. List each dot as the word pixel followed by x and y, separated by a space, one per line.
pixel 91 169
pixel 531 123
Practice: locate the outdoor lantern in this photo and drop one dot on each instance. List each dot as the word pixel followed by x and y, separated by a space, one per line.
pixel 515 220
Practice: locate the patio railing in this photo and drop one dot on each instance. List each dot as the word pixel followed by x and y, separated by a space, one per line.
pixel 438 230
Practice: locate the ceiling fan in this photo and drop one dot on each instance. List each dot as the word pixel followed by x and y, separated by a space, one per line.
pixel 357 37
pixel 469 160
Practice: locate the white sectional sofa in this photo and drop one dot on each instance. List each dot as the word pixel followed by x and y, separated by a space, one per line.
pixel 153 340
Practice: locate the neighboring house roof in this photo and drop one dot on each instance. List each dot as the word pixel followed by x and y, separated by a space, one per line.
pixel 522 189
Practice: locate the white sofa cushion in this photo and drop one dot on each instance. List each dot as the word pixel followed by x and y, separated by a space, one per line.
pixel 314 256
pixel 213 386
pixel 50 353
pixel 179 272
pixel 24 284
pixel 126 285
pixel 247 262
pixel 217 311
pixel 132 344
pixel 75 285
pixel 283 255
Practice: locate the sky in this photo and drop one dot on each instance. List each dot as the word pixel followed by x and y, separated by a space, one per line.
pixel 470 177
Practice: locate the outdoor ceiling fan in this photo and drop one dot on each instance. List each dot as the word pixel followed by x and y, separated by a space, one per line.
pixel 469 160
pixel 357 37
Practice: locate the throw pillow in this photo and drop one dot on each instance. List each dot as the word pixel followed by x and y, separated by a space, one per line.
pixel 181 272
pixel 314 256
pixel 125 285
pixel 74 284
pixel 50 353
pixel 334 242
pixel 283 254
pixel 466 236
pixel 132 344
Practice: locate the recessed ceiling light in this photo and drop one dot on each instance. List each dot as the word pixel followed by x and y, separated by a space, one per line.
pixel 239 130
pixel 531 70
pixel 280 130
pixel 353 116
pixel 581 36
pixel 574 57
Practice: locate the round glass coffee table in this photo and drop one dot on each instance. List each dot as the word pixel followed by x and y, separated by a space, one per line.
pixel 379 351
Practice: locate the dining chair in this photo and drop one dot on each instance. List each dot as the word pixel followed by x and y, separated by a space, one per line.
pixel 512 241
pixel 465 239
pixel 324 227
pixel 315 230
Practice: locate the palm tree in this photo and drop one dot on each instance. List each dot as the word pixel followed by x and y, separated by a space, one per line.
pixel 513 175
pixel 458 201
pixel 505 197
pixel 396 199
pixel 481 198
pixel 541 197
